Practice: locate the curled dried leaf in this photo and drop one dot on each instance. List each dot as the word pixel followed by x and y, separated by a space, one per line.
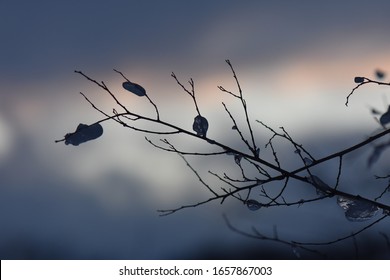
pixel 359 80
pixel 357 210
pixel 237 159
pixel 379 74
pixel 307 161
pixel 134 88
pixel 200 125
pixel 385 118
pixel 84 133
pixel 253 205
pixel 321 187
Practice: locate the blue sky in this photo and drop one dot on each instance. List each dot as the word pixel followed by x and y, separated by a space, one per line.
pixel 295 60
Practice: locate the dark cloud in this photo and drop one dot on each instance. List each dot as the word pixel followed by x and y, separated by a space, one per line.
pixel 51 37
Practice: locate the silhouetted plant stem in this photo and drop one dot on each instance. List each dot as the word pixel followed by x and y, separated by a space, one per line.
pixel 239 187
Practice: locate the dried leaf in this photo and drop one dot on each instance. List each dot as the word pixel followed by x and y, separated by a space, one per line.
pixel 385 118
pixel 307 161
pixel 380 74
pixel 200 125
pixel 357 210
pixel 321 187
pixel 376 153
pixel 84 133
pixel 359 80
pixel 237 159
pixel 134 88
pixel 253 205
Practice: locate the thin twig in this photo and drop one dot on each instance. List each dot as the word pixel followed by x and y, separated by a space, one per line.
pixel 103 86
pixel 198 176
pixel 339 172
pixel 366 81
pixel 342 238
pixel 175 150
pixel 243 102
pixel 190 92
pixel 147 96
pixel 237 128
pixel 260 236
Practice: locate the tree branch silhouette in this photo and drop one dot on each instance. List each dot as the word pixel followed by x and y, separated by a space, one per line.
pixel 239 187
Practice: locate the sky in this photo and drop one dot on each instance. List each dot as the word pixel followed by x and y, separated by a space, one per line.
pixel 295 61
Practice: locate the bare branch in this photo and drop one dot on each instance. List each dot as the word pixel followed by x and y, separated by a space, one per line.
pixel 387 189
pixel 240 185
pixel 199 177
pixel 339 172
pixel 253 148
pixel 237 128
pixel 190 92
pixel 258 235
pixel 103 86
pixel 342 238
pixel 365 81
pixel 147 96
